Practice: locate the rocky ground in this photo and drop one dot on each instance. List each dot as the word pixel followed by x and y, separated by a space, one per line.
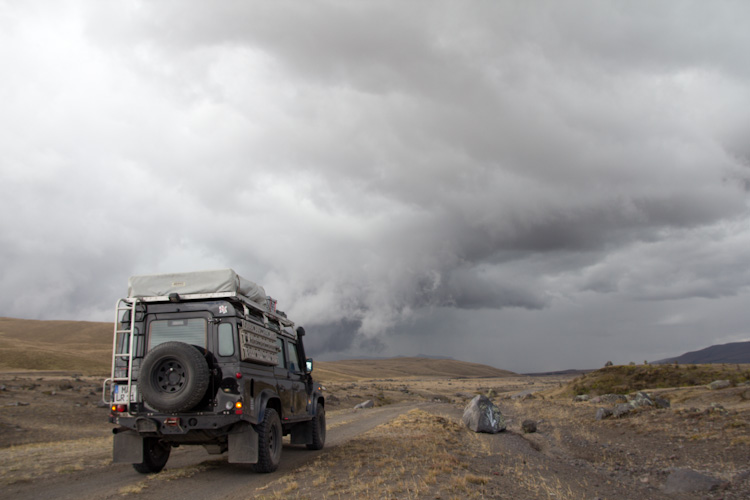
pixel 697 448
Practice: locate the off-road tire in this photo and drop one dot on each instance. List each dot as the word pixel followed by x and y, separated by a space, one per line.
pixel 174 377
pixel 318 428
pixel 155 456
pixel 269 442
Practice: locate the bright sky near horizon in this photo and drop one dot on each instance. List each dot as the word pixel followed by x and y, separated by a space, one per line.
pixel 533 185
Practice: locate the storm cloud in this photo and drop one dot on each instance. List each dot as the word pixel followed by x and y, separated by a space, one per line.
pixel 534 186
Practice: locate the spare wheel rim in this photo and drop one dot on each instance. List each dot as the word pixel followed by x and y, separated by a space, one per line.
pixel 170 376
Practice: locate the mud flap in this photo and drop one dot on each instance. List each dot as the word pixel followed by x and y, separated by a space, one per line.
pixel 302 433
pixel 243 446
pixel 127 448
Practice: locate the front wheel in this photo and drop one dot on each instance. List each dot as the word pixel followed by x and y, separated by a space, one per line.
pixel 155 456
pixel 318 428
pixel 269 442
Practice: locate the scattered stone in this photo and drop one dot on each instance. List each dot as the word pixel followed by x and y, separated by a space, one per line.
pixel 464 395
pixel 491 393
pixel 482 415
pixel 661 402
pixel 642 399
pixel 687 480
pixel 716 408
pixel 2 388
pixel 719 384
pixel 621 410
pixel 102 404
pixel 581 398
pixel 18 403
pixel 603 413
pixel 610 399
pixel 528 426
pixel 333 399
pixel 523 395
pixel 365 404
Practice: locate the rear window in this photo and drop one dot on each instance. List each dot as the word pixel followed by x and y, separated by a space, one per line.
pixel 188 330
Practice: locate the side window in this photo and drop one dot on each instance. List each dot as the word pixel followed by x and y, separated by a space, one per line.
pixel 280 344
pixel 293 359
pixel 123 341
pixel 226 339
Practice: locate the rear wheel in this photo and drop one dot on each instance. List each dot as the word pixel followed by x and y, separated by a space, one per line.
pixel 155 456
pixel 269 442
pixel 318 428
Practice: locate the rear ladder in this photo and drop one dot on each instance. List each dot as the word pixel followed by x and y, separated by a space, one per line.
pixel 123 305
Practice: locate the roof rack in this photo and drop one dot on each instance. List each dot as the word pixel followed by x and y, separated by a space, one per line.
pixel 222 295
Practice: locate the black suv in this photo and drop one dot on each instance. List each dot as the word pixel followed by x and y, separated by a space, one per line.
pixel 209 367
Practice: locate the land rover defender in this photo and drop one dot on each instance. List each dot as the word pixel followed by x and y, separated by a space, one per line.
pixel 204 358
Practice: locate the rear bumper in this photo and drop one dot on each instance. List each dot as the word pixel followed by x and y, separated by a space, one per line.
pixel 154 424
pixel 233 435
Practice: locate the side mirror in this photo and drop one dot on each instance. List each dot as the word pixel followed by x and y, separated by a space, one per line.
pixel 309 365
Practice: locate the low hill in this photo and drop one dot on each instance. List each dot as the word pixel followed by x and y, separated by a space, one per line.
pixel 86 347
pixel 81 346
pixel 631 378
pixel 735 352
pixel 356 369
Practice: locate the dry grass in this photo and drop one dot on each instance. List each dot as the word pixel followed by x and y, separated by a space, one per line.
pixel 86 347
pixel 631 378
pixel 41 460
pixel 80 346
pixel 358 369
pixel 417 455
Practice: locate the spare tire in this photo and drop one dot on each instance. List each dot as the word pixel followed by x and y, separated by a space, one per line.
pixel 174 377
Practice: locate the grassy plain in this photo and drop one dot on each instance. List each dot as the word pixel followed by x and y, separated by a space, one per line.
pixel 425 453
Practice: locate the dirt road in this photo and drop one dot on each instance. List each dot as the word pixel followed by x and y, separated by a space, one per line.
pixel 200 475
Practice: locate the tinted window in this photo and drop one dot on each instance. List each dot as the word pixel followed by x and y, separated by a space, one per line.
pixel 226 340
pixel 190 331
pixel 293 359
pixel 123 341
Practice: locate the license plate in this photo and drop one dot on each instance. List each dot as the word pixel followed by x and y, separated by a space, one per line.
pixel 120 395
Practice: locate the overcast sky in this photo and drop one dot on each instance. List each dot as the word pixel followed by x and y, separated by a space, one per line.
pixel 532 185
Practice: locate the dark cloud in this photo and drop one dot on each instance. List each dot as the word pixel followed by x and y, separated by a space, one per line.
pixel 388 171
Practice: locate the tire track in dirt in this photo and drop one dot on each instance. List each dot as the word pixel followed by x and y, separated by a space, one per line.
pixel 192 473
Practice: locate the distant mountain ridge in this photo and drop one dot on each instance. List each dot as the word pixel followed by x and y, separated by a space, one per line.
pixel 734 352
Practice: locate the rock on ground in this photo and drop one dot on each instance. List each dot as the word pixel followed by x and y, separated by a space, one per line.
pixel 528 426
pixel 603 413
pixel 719 384
pixel 687 480
pixel 365 404
pixel 609 398
pixel 621 410
pixel 482 415
pixel 523 395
